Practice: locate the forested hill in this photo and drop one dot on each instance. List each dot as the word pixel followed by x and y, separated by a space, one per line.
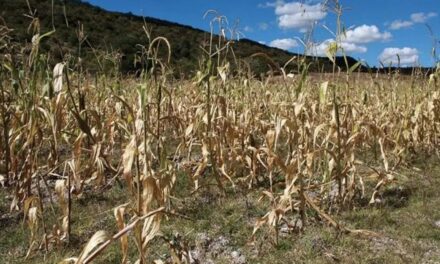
pixel 119 32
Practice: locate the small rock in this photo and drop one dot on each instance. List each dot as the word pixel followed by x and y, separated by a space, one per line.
pixel 437 223
pixel 284 229
pixel 223 241
pixel 237 257
pixel 195 256
pixel 235 254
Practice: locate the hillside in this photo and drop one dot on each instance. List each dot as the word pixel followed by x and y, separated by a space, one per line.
pixel 118 32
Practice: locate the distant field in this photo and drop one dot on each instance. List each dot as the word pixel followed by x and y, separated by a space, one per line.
pixel 226 167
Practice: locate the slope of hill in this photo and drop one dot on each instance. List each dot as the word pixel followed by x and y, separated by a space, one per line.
pixel 112 31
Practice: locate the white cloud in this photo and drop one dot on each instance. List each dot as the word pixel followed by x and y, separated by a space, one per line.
pixel 321 48
pixel 398 24
pixel 353 48
pixel 414 19
pixel 407 56
pixel 296 15
pixel 353 41
pixel 365 34
pixel 284 44
pixel 422 17
pixel 262 42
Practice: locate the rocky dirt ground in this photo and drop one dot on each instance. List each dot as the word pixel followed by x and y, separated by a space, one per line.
pixel 218 229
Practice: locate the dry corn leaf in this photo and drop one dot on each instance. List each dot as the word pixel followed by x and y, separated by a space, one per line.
pixel 58 77
pixel 119 213
pixel 128 158
pixel 97 239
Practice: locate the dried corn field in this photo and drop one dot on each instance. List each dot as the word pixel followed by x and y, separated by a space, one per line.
pixel 309 148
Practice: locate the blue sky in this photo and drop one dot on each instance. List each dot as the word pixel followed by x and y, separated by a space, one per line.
pixel 377 30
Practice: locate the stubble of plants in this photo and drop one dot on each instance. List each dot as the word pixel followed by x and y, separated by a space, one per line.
pixel 317 143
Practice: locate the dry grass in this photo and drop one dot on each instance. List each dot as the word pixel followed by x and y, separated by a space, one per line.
pixel 310 149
